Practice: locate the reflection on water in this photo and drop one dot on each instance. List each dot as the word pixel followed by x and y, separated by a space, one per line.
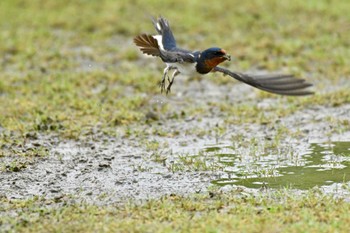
pixel 323 164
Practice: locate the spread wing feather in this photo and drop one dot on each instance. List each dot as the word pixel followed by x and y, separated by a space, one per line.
pixel 163 28
pixel 148 44
pixel 274 83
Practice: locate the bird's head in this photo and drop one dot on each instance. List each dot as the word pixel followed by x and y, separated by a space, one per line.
pixel 210 58
pixel 215 53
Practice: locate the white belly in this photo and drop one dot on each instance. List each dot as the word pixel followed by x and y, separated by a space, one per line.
pixel 184 68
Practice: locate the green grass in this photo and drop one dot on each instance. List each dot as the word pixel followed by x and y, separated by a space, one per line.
pixel 69 68
pixel 70 63
pixel 214 212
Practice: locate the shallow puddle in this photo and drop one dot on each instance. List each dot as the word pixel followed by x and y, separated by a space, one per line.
pixel 324 164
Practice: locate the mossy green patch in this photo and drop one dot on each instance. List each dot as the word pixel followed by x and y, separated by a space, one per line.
pixel 214 212
pixel 71 69
pixel 75 63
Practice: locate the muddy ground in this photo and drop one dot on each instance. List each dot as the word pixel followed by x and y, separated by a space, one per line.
pixel 103 169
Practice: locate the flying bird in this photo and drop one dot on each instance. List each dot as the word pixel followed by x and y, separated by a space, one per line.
pixel 188 62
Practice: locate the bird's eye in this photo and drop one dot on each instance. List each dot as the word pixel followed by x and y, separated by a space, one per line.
pixel 219 53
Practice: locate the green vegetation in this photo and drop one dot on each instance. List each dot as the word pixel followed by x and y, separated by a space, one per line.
pixel 69 69
pixel 67 66
pixel 233 212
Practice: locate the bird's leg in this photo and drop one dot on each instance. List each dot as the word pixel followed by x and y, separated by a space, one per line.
pixel 168 89
pixel 162 82
pixel 165 74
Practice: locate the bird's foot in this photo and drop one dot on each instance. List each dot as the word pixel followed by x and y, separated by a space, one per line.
pixel 162 85
pixel 168 89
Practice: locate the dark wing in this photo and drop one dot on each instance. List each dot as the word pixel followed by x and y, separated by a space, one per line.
pixel 274 83
pixel 148 44
pixel 163 28
pixel 178 55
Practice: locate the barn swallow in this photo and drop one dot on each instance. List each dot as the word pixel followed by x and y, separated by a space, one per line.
pixel 183 61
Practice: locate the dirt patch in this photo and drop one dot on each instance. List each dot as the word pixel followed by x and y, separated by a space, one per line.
pixel 112 169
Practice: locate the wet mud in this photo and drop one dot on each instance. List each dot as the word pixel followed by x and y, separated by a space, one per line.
pixel 103 169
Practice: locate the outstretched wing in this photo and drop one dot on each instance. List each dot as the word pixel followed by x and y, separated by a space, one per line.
pixel 167 39
pixel 275 83
pixel 148 44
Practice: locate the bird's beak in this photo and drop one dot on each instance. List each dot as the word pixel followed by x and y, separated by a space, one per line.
pixel 227 57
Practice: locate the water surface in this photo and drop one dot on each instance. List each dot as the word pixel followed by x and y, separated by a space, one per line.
pixel 324 164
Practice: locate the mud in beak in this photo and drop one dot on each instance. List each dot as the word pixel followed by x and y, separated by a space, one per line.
pixel 227 57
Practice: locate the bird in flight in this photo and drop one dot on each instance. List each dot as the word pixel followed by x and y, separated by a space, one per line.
pixel 187 62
